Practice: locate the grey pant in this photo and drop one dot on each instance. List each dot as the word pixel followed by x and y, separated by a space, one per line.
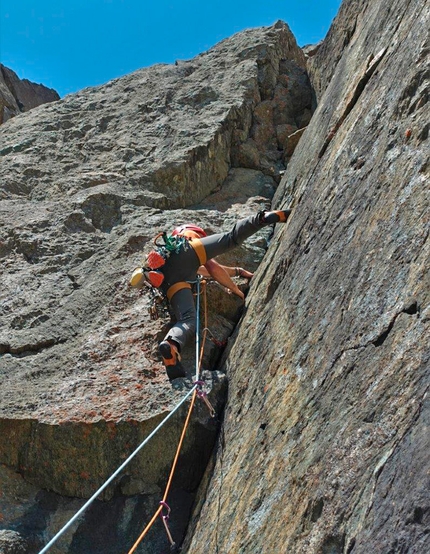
pixel 183 266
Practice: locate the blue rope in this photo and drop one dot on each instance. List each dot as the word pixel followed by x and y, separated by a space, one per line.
pixel 197 328
pixel 121 467
pixel 128 460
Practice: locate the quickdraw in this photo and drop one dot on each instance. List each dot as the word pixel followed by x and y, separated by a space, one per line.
pixel 204 396
pixel 217 343
pixel 165 518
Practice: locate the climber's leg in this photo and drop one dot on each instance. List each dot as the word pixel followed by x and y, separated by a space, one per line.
pixel 223 242
pixel 183 307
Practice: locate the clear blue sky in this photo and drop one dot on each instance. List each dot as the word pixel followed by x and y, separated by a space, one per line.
pixel 71 44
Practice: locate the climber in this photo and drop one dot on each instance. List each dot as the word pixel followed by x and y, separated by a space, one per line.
pixel 220 273
pixel 181 268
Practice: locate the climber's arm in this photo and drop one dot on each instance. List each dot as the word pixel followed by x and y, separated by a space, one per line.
pixel 231 271
pixel 238 272
pixel 218 272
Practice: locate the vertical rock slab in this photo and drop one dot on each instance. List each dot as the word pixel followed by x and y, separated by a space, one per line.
pixel 324 447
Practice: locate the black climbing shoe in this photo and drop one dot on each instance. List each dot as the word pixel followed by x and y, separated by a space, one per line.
pixel 279 216
pixel 171 360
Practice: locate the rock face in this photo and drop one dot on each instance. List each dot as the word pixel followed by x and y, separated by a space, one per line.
pixel 20 95
pixel 86 183
pixel 324 446
pixel 324 442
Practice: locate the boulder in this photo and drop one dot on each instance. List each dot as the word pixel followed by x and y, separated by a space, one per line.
pixel 11 542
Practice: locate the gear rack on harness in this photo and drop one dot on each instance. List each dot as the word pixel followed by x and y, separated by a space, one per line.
pixel 159 307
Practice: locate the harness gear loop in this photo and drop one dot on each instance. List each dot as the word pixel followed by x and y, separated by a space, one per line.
pixel 204 396
pixel 165 518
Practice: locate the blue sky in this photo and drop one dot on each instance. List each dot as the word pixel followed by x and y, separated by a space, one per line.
pixel 69 45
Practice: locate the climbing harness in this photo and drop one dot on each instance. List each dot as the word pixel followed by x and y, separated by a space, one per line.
pixel 176 288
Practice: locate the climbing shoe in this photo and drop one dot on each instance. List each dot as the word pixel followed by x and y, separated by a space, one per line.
pixel 171 360
pixel 280 216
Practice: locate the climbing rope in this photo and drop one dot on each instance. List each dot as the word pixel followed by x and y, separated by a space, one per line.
pixel 205 328
pixel 194 391
pixel 169 482
pixel 116 473
pixel 199 358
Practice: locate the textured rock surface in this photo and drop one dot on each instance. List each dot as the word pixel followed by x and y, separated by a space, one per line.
pixel 20 95
pixel 11 542
pixel 86 183
pixel 324 447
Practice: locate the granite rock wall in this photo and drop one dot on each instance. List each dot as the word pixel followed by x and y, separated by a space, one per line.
pixel 20 95
pixel 324 445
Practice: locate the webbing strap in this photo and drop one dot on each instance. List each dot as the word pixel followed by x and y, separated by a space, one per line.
pixel 199 249
pixel 176 287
